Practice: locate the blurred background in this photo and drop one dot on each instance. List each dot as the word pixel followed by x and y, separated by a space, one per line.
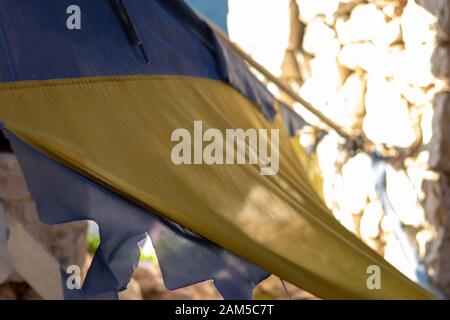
pixel 376 67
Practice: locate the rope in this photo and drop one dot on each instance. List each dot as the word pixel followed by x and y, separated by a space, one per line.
pixel 129 27
pixel 355 141
pixel 288 295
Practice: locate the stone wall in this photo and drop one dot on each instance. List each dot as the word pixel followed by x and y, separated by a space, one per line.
pixel 379 68
pixel 438 190
pixel 66 242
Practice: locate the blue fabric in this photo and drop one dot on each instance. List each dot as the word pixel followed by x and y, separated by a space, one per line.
pixel 230 66
pixel 36 44
pixel 185 258
pixel 235 71
pixel 292 120
pixel 313 148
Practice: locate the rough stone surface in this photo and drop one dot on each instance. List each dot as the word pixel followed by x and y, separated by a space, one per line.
pixel 7 292
pixel 263 39
pixel 418 25
pixel 439 145
pixel 311 9
pixel 133 292
pixel 412 65
pixel 437 190
pixel 66 242
pixel 403 197
pixel 366 56
pixel 371 220
pixel 12 184
pixel 367 23
pixel 440 9
pixel 437 205
pixel 356 190
pixel 387 114
pixel 348 107
pixel 441 62
pixel 318 29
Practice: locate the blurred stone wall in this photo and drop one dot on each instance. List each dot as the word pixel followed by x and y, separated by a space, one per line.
pixel 380 68
pixel 66 242
pixel 438 190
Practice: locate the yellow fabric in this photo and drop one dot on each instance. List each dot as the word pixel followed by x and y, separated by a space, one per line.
pixel 117 131
pixel 311 163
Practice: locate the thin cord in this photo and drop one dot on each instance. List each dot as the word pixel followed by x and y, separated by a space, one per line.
pixel 285 289
pixel 129 27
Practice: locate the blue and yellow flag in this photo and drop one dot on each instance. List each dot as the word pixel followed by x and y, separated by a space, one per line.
pixel 91 94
